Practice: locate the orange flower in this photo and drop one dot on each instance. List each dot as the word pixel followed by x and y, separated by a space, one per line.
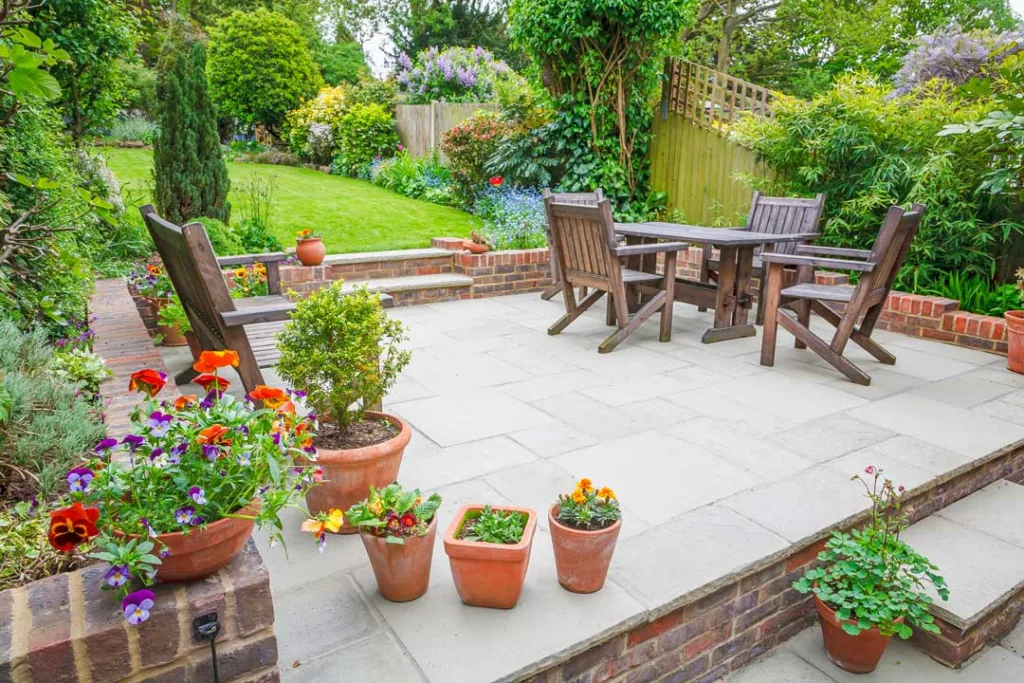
pixel 212 434
pixel 578 497
pixel 184 401
pixel 606 493
pixel 211 361
pixel 272 397
pixel 71 526
pixel 154 270
pixel 206 380
pixel 148 381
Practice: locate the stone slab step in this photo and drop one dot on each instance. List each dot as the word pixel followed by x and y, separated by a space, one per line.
pixel 393 285
pixel 385 256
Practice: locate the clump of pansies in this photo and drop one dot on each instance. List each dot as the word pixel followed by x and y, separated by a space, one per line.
pixel 187 463
pixel 394 514
pixel 150 281
pixel 588 508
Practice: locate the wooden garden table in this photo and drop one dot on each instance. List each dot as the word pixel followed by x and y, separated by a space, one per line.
pixel 730 296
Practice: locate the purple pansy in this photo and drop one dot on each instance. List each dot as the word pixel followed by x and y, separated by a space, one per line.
pixel 244 459
pixel 33 506
pixel 106 446
pixel 321 543
pixel 158 458
pixel 164 552
pixel 133 441
pixel 159 423
pixel 198 519
pixel 117 575
pixel 149 529
pixel 184 514
pixel 177 451
pixel 136 606
pixel 211 451
pixel 79 478
pixel 197 495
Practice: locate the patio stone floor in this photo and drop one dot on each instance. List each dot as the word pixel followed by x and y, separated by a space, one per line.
pixel 718 462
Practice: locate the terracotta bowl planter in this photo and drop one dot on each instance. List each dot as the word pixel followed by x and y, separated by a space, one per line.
pixel 858 654
pixel 1015 339
pixel 489 574
pixel 172 336
pixel 311 252
pixel 582 558
pixel 475 248
pixel 349 474
pixel 402 571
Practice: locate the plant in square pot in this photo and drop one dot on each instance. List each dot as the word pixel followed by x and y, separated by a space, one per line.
pixel 309 247
pixel 398 528
pixel 174 323
pixel 178 497
pixel 341 353
pixel 488 549
pixel 584 529
pixel 869 586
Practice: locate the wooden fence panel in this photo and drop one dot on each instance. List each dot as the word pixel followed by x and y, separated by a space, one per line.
pixel 421 126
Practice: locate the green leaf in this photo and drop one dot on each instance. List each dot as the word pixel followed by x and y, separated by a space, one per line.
pixel 26 37
pixel 395 540
pixel 905 631
pixel 852 629
pixel 31 82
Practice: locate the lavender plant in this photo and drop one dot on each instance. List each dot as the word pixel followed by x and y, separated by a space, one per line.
pixel 455 74
pixel 955 56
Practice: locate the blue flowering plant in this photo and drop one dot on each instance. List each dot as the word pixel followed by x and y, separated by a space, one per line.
pixel 455 74
pixel 187 463
pixel 513 217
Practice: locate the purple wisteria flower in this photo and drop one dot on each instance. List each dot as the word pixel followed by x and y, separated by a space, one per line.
pixel 133 441
pixel 79 478
pixel 197 495
pixel 159 423
pixel 136 606
pixel 117 575
pixel 184 515
pixel 106 447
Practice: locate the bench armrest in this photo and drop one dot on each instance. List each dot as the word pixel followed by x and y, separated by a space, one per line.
pixel 817 262
pixel 819 250
pixel 657 248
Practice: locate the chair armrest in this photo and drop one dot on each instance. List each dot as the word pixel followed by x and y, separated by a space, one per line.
pixel 270 313
pixel 246 259
pixel 819 250
pixel 657 248
pixel 817 262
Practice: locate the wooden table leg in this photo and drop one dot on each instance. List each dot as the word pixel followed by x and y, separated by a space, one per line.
pixel 730 314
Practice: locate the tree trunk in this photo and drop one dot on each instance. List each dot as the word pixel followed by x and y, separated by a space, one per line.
pixel 729 25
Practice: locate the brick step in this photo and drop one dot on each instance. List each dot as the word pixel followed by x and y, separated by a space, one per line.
pixel 978 545
pixel 414 288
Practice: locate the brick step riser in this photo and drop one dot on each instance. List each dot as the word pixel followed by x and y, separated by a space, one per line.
pixel 370 270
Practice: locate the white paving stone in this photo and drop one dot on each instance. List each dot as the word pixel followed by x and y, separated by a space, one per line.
pixel 830 437
pixel 470 416
pixel 458 463
pixel 927 456
pixel 632 389
pixel 764 458
pixel 553 440
pixel 787 397
pixel 374 659
pixel 996 510
pixel 963 391
pixel 781 666
pixel 972 356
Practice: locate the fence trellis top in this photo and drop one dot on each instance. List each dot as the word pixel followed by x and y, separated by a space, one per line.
pixel 710 98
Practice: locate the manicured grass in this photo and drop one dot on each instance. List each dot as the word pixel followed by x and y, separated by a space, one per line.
pixel 352 215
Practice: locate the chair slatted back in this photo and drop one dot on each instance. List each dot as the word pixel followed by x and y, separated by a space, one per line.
pixel 584 237
pixel 584 198
pixel 890 249
pixel 784 216
pixel 192 268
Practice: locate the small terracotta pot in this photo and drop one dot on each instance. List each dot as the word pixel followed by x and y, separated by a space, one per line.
pixel 172 336
pixel 349 474
pixel 204 552
pixel 310 251
pixel 193 345
pixel 858 654
pixel 582 558
pixel 402 571
pixel 1015 337
pixel 489 574
pixel 475 248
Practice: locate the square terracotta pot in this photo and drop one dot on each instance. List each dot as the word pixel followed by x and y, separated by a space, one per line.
pixel 489 574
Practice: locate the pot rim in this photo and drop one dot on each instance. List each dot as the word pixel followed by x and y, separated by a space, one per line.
pixel 363 533
pixel 1014 315
pixel 255 504
pixel 452 543
pixel 347 456
pixel 302 240
pixel 582 532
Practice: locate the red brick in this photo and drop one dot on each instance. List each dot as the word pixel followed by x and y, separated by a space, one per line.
pixel 706 641
pixel 656 627
pixel 805 556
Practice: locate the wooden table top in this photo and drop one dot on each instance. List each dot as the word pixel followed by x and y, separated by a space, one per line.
pixel 701 235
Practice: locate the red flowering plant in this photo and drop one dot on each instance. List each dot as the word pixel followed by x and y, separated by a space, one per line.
pixel 187 463
pixel 394 514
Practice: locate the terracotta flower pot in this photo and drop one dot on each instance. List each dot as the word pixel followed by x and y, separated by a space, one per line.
pixel 489 574
pixel 475 248
pixel 349 474
pixel 402 571
pixel 1015 337
pixel 310 251
pixel 204 552
pixel 172 336
pixel 193 345
pixel 582 558
pixel 858 654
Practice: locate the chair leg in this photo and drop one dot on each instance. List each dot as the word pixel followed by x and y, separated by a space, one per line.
pixel 823 349
pixel 575 312
pixel 609 318
pixel 665 333
pixel 803 315
pixel 772 296
pixel 759 318
pixel 551 291
pixel 857 336
pixel 649 309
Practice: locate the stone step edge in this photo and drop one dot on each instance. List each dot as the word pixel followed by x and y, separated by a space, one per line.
pixel 385 256
pixel 411 283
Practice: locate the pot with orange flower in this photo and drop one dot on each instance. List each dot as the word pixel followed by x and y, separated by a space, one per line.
pixel 584 529
pixel 309 247
pixel 397 528
pixel 202 474
pixel 476 244
pixel 341 353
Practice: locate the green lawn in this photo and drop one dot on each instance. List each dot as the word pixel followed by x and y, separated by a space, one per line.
pixel 352 215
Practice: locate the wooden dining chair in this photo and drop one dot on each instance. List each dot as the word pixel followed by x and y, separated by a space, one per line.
pixel 584 199
pixel 877 267
pixel 589 256
pixel 771 216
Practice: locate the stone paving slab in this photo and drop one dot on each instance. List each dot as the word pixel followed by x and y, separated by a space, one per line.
pixel 720 464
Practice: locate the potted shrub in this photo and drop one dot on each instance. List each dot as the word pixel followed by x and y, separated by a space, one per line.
pixel 309 247
pixel 398 528
pixel 476 244
pixel 489 552
pixel 584 528
pixel 869 586
pixel 173 323
pixel 1015 333
pixel 200 473
pixel 341 352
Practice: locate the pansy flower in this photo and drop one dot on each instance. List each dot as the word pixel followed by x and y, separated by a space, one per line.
pixel 148 381
pixel 212 434
pixel 33 506
pixel 211 361
pixel 146 525
pixel 245 459
pixel 79 478
pixel 159 423
pixel 197 495
pixel 136 606
pixel 184 515
pixel 117 575
pixel 71 526
pixel 177 450
pixel 322 523
pixel 105 447
pixel 211 451
pixel 158 458
pixel 198 520
pixel 133 441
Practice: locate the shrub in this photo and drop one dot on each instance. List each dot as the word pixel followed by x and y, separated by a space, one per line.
pixel 954 56
pixel 342 349
pixel 455 74
pixel 513 217
pixel 370 90
pixel 341 62
pixel 132 128
pixel 365 131
pixel 140 89
pixel 469 145
pixel 260 68
pixel 423 178
pixel 223 239
pixel 326 108
pixel 81 367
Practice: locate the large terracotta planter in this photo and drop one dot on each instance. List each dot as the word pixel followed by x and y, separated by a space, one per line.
pixel 172 336
pixel 349 474
pixel 582 558
pixel 311 251
pixel 402 571
pixel 1015 337
pixel 858 654
pixel 489 574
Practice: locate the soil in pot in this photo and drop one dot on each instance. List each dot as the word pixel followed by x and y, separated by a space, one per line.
pixel 488 574
pixel 582 558
pixel 311 252
pixel 857 654
pixel 402 571
pixel 365 455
